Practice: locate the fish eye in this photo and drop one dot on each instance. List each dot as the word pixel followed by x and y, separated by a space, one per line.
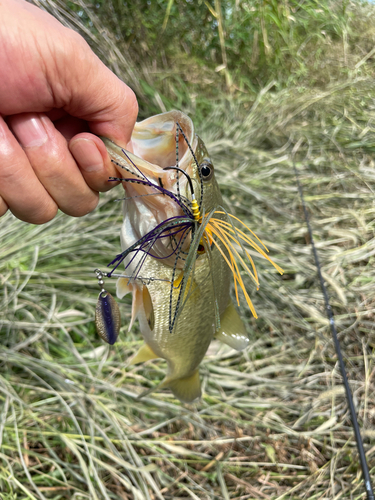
pixel 206 168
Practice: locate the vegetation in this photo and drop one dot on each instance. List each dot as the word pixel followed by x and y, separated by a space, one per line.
pixel 273 421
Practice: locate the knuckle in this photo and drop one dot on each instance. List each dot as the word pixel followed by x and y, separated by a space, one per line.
pixel 107 186
pixel 12 163
pixel 10 171
pixel 3 207
pixel 124 98
pixel 93 203
pixel 84 207
pixel 132 103
pixel 51 164
pixel 76 42
pixel 51 173
pixel 42 215
pixel 37 216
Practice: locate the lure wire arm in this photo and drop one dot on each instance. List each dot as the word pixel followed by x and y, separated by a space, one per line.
pixel 144 280
pixel 185 174
pixel 194 204
pixel 349 397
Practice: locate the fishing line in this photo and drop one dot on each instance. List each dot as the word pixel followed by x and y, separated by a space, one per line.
pixel 177 243
pixel 349 397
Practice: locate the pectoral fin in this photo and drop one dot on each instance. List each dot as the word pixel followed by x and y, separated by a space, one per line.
pixel 123 287
pixel 137 304
pixel 145 353
pixel 185 389
pixel 232 331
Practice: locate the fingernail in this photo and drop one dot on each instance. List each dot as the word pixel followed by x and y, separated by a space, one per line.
pixel 30 132
pixel 87 155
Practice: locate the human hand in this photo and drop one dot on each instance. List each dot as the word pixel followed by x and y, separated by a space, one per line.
pixel 53 91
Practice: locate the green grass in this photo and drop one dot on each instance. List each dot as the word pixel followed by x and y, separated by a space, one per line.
pixel 273 421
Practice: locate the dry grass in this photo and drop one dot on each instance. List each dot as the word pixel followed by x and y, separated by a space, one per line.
pixel 273 421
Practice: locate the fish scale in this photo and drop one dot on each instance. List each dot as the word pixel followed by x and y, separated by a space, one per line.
pixel 186 346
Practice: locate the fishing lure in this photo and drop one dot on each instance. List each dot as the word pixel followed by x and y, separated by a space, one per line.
pixel 204 231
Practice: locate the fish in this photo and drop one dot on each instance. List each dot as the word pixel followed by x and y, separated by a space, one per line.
pixel 181 250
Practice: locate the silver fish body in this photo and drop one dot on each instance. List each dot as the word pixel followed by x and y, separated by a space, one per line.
pixel 204 309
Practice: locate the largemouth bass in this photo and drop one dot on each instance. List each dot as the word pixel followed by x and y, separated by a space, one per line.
pixel 180 248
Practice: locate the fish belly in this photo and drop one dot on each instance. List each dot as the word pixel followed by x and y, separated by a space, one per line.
pixel 207 294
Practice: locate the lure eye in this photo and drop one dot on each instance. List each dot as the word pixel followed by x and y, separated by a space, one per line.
pixel 206 169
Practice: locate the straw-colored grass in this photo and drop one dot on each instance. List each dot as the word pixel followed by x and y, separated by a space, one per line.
pixel 273 421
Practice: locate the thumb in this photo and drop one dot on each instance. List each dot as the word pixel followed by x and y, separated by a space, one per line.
pixel 98 96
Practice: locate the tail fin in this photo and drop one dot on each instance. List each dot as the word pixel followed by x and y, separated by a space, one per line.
pixel 185 389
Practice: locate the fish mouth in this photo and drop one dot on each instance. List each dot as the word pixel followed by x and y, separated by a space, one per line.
pixel 155 194
pixel 158 143
pixel 154 140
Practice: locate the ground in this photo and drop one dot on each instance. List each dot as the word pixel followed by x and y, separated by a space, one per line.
pixel 273 421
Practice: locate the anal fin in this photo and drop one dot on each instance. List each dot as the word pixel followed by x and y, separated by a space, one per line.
pixel 145 353
pixel 232 331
